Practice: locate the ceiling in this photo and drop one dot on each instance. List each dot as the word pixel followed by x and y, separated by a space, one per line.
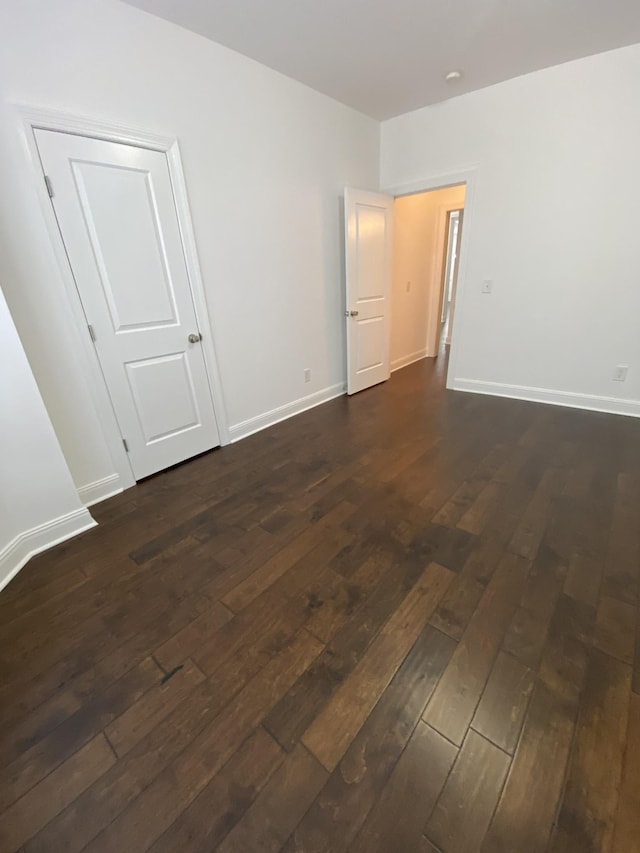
pixel 386 57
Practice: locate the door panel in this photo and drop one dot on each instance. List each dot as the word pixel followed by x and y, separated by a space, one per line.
pixel 370 343
pixel 152 380
pixel 371 267
pixel 369 234
pixel 131 259
pixel 116 212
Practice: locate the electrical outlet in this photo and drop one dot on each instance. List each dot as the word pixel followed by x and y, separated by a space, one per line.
pixel 307 374
pixel 408 286
pixel 620 372
pixel 487 285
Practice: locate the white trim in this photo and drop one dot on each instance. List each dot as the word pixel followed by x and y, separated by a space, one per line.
pixel 281 413
pixel 100 490
pixel 438 270
pixel 404 360
pixel 32 118
pixel 439 181
pixel 14 555
pixel 81 125
pixel 610 405
pixel 467 175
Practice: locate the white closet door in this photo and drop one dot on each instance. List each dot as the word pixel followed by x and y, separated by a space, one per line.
pixel 115 209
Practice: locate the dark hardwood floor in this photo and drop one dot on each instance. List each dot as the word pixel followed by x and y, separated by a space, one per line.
pixel 404 621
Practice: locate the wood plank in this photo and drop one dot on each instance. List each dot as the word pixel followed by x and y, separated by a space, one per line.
pixel 100 804
pixel 579 480
pixel 458 605
pixel 290 717
pixel 475 519
pixel 565 656
pixel 627 825
pixel 454 702
pixel 635 678
pixel 333 729
pixel 528 534
pixel 545 582
pixel 586 818
pixel 503 705
pixel 27 815
pixel 185 642
pixel 225 799
pixel 67 685
pixel 465 806
pixel 354 786
pixel 525 637
pixel 47 753
pixel 273 816
pixel 524 818
pixel 16 605
pixel 583 579
pixel 409 796
pixel 86 640
pixel 52 618
pixel 348 595
pixel 615 632
pixel 622 564
pixel 131 726
pixel 243 594
pixel 527 633
pixel 177 786
pixel 459 503
pixel 484 557
pixel 90 667
pixel 277 612
pixel 454 548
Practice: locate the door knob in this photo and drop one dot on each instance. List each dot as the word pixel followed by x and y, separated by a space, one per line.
pixel 351 313
pixel 195 339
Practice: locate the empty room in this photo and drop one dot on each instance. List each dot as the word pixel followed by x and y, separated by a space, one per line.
pixel 319 426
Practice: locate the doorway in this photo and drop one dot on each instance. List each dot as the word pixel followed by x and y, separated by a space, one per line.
pixel 450 273
pixel 426 251
pixel 400 248
pixel 117 215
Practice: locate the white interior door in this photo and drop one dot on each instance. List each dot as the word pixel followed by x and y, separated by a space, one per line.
pixel 454 277
pixel 115 209
pixel 368 246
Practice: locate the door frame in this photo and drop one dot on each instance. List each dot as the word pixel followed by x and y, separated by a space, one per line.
pixel 438 273
pixel 33 118
pixel 467 175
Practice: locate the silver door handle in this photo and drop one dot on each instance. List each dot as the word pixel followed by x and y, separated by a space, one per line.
pixel 195 339
pixel 351 313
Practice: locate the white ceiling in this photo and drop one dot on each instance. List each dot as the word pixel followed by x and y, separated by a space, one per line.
pixel 386 57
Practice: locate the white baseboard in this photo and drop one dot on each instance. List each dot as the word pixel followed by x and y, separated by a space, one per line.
pixel 26 545
pixel 397 363
pixel 100 490
pixel 611 405
pixel 281 413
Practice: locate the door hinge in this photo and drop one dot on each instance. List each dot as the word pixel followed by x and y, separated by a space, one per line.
pixel 126 446
pixel 92 333
pixel 49 185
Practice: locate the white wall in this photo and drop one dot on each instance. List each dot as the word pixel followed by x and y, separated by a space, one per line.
pixel 417 259
pixel 38 501
pixel 265 160
pixel 554 221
